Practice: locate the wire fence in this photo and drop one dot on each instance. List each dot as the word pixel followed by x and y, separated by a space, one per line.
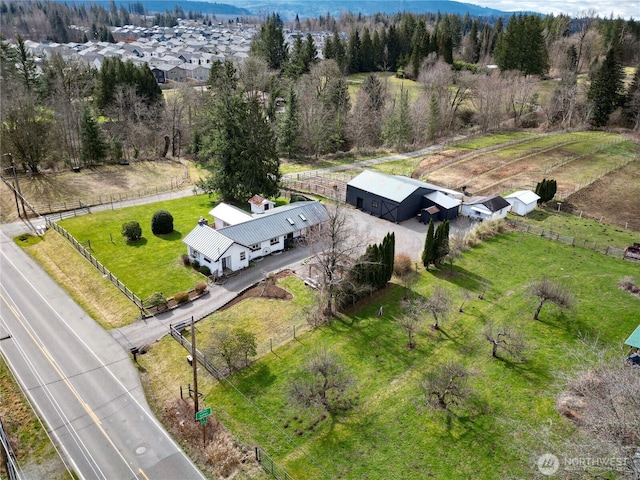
pixel 262 457
pixel 101 268
pixel 9 458
pixel 46 208
pixel 584 243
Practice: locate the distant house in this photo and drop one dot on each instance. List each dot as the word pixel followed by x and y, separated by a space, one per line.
pixel 159 74
pixel 232 247
pixel 522 202
pixel 396 198
pixel 485 208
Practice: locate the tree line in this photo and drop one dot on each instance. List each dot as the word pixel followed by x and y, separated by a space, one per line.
pixel 286 102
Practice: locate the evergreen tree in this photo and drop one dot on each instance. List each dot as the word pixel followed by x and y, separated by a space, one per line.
pixel 269 43
pixel 522 46
pixel 429 252
pixel 441 242
pixel 606 90
pixel 240 148
pixel 632 102
pixel 353 56
pixel 398 129
pixel 93 147
pixel 289 127
pixel 433 125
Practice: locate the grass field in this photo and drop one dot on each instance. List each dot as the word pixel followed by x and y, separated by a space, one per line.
pixel 391 433
pixel 35 453
pixel 152 264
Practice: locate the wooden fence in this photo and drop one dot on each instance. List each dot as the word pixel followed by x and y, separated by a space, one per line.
pixel 326 184
pixel 568 239
pixel 101 268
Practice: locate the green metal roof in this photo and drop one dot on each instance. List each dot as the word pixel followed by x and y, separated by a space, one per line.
pixel 634 338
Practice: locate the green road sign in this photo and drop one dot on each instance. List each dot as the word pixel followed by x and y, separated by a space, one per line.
pixel 203 421
pixel 203 413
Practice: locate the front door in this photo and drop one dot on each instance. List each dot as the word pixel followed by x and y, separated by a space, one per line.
pixel 226 263
pixel 359 202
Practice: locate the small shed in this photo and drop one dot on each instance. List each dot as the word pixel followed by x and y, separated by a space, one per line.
pixel 522 202
pixel 260 204
pixel 428 214
pixel 485 208
pixel 448 206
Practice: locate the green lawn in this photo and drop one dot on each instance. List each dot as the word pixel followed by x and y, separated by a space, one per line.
pixel 391 434
pixel 152 264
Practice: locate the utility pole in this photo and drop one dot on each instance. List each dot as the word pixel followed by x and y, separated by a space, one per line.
pixel 195 367
pixel 17 186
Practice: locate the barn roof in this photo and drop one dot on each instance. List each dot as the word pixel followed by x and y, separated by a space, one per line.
pixel 634 338
pixel 277 222
pixel 394 188
pixel 525 196
pixel 208 241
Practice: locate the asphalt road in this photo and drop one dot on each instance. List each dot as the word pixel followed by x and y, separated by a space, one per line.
pixel 81 381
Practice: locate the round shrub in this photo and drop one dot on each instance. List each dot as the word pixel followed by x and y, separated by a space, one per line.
pixel 155 300
pixel 195 264
pixel 200 287
pixel 205 270
pixel 181 297
pixel 402 264
pixel 186 261
pixel 132 231
pixel 162 223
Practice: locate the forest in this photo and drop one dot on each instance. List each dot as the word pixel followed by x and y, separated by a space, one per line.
pixel 300 100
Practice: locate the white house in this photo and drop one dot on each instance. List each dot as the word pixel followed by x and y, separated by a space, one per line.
pixel 485 208
pixel 233 246
pixel 522 201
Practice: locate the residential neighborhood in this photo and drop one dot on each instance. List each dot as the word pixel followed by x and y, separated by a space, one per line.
pixel 179 54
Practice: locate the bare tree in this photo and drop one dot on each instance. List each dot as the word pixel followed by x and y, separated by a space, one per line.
pixel 547 290
pixel 489 102
pixel 412 319
pixel 505 339
pixel 232 345
pixel 466 295
pixel 438 304
pixel 446 386
pixel 521 94
pixel 603 401
pixel 323 382
pixel 335 248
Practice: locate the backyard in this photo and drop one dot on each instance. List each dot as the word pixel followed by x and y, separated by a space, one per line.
pixel 391 433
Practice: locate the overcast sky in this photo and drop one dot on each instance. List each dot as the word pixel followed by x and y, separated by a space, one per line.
pixel 603 8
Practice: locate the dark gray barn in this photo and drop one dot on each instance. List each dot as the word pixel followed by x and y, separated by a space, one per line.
pixel 397 198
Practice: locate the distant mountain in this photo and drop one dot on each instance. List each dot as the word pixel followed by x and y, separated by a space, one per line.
pixel 306 8
pixel 161 6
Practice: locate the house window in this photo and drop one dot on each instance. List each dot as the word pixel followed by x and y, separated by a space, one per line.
pixel 275 241
pixel 255 247
pixel 243 255
pixel 374 203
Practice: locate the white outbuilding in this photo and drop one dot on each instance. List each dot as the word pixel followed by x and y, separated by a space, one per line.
pixel 522 202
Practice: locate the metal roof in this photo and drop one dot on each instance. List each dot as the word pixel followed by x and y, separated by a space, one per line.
pixel 443 200
pixel 208 241
pixel 387 186
pixel 634 338
pixel 277 222
pixel 525 196
pixel 394 187
pixel 229 214
pixel 492 203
